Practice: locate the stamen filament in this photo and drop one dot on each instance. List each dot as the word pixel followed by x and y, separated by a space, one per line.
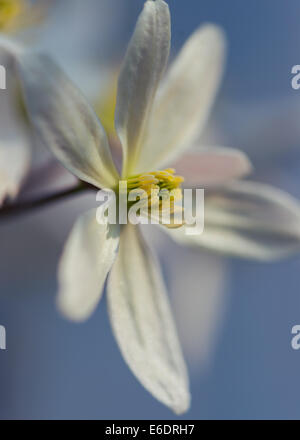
pixel 162 188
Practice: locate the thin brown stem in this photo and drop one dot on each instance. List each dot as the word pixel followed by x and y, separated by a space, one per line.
pixel 27 206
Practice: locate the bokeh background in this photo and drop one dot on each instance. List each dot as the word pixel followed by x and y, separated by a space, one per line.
pixel 234 317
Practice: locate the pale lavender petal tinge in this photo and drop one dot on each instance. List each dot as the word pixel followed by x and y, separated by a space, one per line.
pixel 212 167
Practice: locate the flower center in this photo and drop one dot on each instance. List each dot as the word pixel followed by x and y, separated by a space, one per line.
pixel 161 192
pixel 155 180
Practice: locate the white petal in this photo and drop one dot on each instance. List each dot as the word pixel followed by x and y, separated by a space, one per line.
pixel 14 164
pixel 143 67
pixel 185 100
pixel 65 121
pixel 212 167
pixel 9 47
pixel 87 258
pixel 15 142
pixel 142 322
pixel 250 220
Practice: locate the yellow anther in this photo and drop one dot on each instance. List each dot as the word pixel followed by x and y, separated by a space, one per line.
pixel 178 180
pixel 144 180
pixel 164 179
pixel 162 190
pixel 170 170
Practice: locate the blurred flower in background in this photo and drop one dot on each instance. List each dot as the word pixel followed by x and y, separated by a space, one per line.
pixel 15 140
pixel 81 59
pixel 17 15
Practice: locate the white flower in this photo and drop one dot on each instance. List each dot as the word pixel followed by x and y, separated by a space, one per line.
pixel 242 218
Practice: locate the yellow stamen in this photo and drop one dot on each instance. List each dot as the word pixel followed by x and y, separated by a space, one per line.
pixel 160 180
pixel 162 189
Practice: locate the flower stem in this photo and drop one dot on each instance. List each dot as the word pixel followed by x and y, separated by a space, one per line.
pixel 27 206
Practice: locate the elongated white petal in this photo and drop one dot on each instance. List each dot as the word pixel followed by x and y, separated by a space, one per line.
pixel 87 258
pixel 15 148
pixel 10 48
pixel 15 141
pixel 185 99
pixel 143 67
pixel 65 121
pixel 14 164
pixel 142 322
pixel 212 167
pixel 250 220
